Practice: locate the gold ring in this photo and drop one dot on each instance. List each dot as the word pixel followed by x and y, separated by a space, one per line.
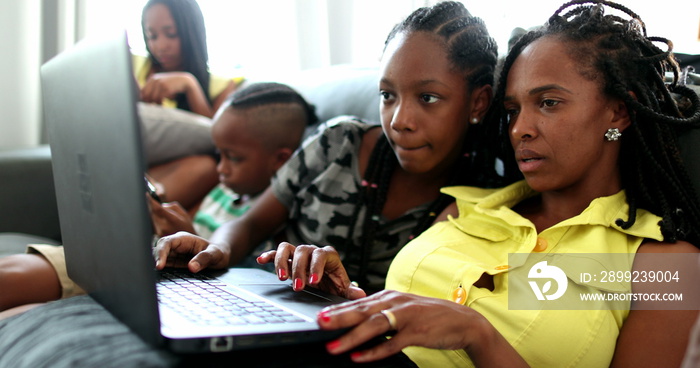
pixel 390 317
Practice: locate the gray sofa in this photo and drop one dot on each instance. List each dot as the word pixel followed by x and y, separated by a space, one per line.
pixel 27 198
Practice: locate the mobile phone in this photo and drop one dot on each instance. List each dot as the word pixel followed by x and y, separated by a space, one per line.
pixel 151 189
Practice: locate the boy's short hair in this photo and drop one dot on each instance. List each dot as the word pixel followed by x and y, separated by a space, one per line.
pixel 267 93
pixel 279 113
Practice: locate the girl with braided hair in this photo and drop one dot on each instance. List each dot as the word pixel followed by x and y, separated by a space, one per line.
pixel 366 189
pixel 592 124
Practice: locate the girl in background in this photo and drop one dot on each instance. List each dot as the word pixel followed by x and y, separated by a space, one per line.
pixel 176 75
pixel 176 71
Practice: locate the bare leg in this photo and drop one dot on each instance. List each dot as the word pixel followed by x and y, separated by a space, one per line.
pixel 26 279
pixel 187 180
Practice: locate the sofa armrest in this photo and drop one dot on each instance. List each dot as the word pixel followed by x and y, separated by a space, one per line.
pixel 27 195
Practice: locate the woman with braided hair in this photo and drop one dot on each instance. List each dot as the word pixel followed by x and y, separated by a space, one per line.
pixel 592 129
pixel 365 189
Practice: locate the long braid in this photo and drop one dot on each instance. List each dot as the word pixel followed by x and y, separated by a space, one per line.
pixel 617 53
pixel 375 187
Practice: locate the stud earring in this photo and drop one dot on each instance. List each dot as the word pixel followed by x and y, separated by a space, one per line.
pixel 612 134
pixel 475 120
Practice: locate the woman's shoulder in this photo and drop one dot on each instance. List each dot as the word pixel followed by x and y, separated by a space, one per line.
pixel 474 194
pixel 679 246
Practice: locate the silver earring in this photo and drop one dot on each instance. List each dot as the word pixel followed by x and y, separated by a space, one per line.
pixel 613 134
pixel 475 120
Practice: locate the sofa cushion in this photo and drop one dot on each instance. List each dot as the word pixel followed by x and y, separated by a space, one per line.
pixel 339 90
pixel 170 133
pixel 27 194
pixel 13 243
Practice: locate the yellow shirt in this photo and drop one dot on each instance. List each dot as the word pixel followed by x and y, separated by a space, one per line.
pixel 489 237
pixel 142 68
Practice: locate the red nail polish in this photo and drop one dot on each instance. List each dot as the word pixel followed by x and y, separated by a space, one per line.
pixel 259 259
pixel 323 315
pixel 298 285
pixel 333 345
pixel 313 279
pixel 282 274
pixel 357 355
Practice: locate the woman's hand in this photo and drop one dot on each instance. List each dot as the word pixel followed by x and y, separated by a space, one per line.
pixel 314 266
pixel 187 250
pixel 169 218
pixel 160 86
pixel 415 321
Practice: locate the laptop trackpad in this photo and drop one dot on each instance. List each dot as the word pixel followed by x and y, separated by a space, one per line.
pixel 305 300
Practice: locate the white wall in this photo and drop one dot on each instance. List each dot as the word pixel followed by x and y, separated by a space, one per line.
pixel 677 20
pixel 20 42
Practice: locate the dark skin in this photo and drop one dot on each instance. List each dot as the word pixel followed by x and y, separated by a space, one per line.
pixel 423 115
pixel 412 103
pixel 169 79
pixel 547 103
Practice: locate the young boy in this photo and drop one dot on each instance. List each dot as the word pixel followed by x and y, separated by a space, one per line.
pixel 256 132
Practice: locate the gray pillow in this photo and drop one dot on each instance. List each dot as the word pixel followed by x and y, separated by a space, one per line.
pixel 170 133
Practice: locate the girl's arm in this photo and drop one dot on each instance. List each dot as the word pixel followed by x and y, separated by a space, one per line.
pixel 168 84
pixel 229 244
pixel 262 221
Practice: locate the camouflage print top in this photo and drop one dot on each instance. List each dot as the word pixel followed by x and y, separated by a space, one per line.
pixel 319 185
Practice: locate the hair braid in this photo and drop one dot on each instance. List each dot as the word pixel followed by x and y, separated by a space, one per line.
pixel 375 188
pixel 267 93
pixel 372 196
pixel 470 47
pixel 617 53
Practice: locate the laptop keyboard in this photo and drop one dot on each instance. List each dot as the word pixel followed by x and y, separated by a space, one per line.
pixel 205 300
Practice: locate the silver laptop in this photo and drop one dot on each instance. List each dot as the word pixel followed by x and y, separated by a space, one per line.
pixel 89 97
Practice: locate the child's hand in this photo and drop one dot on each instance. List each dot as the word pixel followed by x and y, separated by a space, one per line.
pixel 187 250
pixel 319 267
pixel 169 218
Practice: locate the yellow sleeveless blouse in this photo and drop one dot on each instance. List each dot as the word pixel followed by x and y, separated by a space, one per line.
pixel 452 255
